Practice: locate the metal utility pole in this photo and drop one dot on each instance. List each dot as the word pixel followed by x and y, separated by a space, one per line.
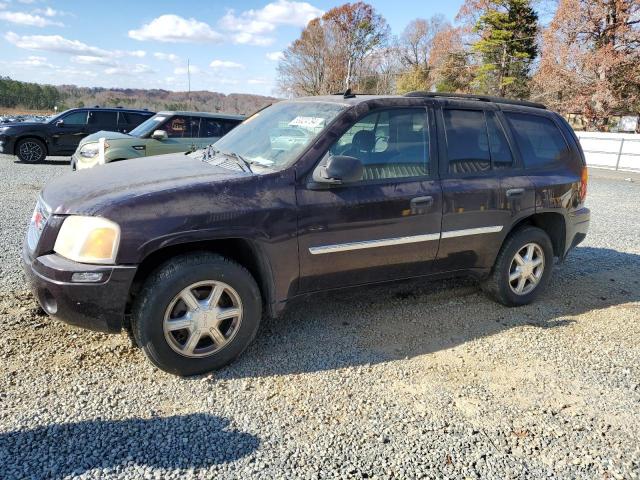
pixel 189 82
pixel 347 81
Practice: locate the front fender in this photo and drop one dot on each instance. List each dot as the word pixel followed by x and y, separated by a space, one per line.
pixel 122 153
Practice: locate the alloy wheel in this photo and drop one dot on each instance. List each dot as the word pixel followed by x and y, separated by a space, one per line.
pixel 526 269
pixel 202 318
pixel 30 151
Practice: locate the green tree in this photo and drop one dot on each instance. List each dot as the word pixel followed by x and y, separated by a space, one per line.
pixel 507 47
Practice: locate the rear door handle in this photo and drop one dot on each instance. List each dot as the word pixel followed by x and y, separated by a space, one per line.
pixel 420 205
pixel 515 192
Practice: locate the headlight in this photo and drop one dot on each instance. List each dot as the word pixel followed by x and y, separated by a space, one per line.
pixel 90 150
pixel 88 240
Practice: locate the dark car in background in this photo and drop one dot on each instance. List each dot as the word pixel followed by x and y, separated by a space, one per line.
pixel 32 142
pixel 308 195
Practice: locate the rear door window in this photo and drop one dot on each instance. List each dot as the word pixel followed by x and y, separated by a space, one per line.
pixel 129 119
pixel 500 152
pixel 540 141
pixel 467 142
pixel 103 119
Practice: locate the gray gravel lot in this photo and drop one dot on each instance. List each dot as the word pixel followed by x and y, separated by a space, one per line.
pixel 406 381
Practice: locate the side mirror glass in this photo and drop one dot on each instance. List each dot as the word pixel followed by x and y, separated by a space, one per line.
pixel 159 135
pixel 337 170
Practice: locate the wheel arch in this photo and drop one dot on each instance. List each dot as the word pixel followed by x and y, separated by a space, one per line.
pixel 28 136
pixel 552 223
pixel 245 252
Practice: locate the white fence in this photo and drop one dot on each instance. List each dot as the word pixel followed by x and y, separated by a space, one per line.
pixel 617 151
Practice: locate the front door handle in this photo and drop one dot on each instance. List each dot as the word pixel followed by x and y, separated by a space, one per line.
pixel 420 205
pixel 515 192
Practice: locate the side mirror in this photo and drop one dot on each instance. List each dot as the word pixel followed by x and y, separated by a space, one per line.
pixel 159 135
pixel 60 123
pixel 338 169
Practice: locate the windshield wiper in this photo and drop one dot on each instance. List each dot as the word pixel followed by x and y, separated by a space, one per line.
pixel 240 159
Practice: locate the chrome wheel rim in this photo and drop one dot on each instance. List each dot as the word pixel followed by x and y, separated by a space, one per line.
pixel 202 319
pixel 526 270
pixel 30 151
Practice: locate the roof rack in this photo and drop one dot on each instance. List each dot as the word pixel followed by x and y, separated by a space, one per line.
pixel 481 98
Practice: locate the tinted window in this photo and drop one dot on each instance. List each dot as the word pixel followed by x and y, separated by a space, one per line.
pixel 390 144
pixel 76 118
pixel 466 141
pixel 539 140
pixel 103 118
pixel 216 127
pixel 181 126
pixel 498 145
pixel 131 119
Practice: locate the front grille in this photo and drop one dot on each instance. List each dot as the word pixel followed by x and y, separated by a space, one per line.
pixel 36 225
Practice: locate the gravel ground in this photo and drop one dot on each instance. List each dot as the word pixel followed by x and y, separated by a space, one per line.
pixel 415 380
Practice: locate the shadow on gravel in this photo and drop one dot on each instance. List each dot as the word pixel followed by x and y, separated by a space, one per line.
pixel 57 161
pixel 383 323
pixel 180 442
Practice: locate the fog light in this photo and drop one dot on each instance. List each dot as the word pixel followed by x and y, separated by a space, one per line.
pixel 86 277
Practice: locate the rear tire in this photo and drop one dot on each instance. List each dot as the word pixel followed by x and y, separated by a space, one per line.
pixel 196 313
pixel 522 269
pixel 31 150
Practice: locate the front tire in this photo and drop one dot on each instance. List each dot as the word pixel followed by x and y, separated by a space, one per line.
pixel 196 313
pixel 31 150
pixel 522 269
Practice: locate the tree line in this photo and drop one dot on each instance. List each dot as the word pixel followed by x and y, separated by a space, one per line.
pixel 28 95
pixel 585 60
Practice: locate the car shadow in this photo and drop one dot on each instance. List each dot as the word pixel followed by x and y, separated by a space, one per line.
pixel 164 442
pixel 48 161
pixel 387 322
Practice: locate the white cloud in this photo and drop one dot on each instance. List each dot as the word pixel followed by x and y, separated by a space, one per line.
pixel 263 20
pixel 246 38
pixel 183 70
pixel 54 43
pixel 167 57
pixel 258 81
pixel 137 53
pixel 27 2
pixel 225 64
pixel 34 61
pixel 275 56
pixel 27 19
pixel 173 28
pixel 91 60
pixel 47 12
pixel 136 69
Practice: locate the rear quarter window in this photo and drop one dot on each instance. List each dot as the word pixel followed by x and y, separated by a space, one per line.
pixel 539 140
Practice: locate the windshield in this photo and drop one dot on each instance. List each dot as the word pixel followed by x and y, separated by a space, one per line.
pixel 275 136
pixel 148 126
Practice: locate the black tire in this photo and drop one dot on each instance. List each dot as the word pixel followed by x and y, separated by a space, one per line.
pixel 165 283
pixel 31 150
pixel 497 285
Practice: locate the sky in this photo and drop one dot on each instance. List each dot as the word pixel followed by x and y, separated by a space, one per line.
pixel 232 46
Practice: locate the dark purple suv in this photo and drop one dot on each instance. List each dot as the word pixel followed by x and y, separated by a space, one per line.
pixel 189 251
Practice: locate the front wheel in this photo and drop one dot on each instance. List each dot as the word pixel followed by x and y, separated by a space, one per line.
pixel 31 150
pixel 196 313
pixel 522 269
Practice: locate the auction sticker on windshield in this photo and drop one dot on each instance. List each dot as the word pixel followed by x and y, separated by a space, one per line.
pixel 307 122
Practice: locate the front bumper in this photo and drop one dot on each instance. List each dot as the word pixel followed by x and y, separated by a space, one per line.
pixel 577 227
pixel 96 306
pixel 6 145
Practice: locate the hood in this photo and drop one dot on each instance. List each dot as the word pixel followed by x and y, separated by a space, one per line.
pixel 94 137
pixel 22 124
pixel 107 186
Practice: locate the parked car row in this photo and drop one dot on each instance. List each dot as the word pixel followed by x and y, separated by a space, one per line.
pixel 23 118
pixel 95 136
pixel 307 195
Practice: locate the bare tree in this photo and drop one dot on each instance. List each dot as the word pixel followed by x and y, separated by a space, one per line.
pixel 591 59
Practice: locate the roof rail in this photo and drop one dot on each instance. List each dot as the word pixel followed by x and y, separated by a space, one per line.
pixel 481 98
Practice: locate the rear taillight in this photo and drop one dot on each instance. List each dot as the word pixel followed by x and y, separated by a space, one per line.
pixel 584 178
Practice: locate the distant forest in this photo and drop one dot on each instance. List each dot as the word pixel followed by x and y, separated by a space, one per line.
pixel 32 96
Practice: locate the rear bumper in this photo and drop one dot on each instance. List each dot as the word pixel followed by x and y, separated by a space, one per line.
pixel 577 228
pixel 96 306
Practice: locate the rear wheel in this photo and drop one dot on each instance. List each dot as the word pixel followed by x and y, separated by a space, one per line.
pixel 196 313
pixel 522 269
pixel 31 150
